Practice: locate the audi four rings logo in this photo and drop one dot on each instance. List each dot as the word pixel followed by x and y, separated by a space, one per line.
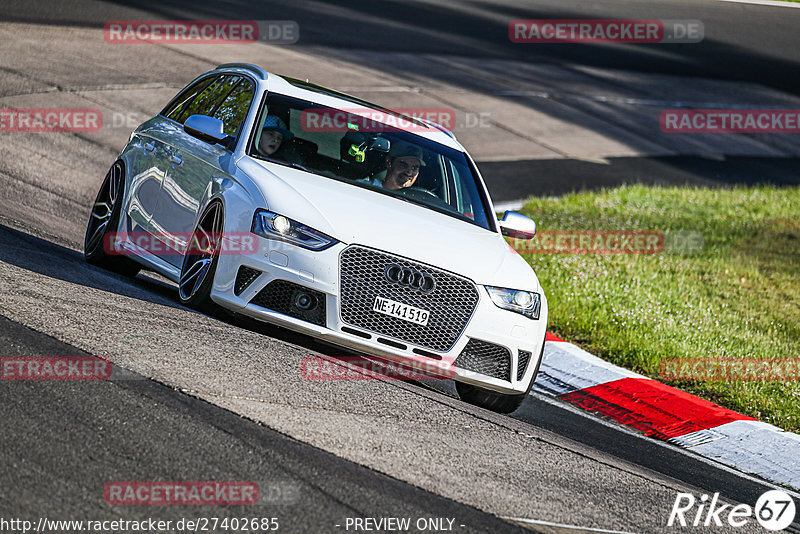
pixel 405 276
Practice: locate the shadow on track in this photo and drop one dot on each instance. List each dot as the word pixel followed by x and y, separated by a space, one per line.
pixel 480 29
pixel 46 258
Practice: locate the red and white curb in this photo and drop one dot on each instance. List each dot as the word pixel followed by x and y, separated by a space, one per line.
pixel 663 412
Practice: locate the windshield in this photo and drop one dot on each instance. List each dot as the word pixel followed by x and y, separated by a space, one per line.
pixel 376 153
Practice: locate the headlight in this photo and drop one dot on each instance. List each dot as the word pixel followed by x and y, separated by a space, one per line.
pixel 274 226
pixel 524 302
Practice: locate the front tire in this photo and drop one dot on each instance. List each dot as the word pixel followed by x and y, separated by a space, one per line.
pixel 104 221
pixel 200 261
pixel 492 400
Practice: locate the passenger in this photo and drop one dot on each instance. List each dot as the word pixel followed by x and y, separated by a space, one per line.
pixel 402 167
pixel 273 133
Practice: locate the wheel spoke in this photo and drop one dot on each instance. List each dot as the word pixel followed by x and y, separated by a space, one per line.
pixel 103 209
pixel 193 271
pixel 202 242
pixel 210 228
pixel 201 252
pixel 101 216
pixel 201 276
pixel 113 184
pixel 215 227
pixel 97 235
pixel 211 232
pixel 196 272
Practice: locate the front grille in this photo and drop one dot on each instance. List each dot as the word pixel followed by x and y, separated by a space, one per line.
pixel 450 303
pixel 522 363
pixel 280 296
pixel 244 277
pixel 485 358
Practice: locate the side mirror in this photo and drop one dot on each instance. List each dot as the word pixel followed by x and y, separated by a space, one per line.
pixel 208 129
pixel 517 225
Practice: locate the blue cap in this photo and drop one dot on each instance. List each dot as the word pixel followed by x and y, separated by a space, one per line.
pixel 273 122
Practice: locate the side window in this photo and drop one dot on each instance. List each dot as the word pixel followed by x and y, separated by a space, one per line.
pixel 327 143
pixel 182 101
pixel 233 109
pixel 467 198
pixel 205 102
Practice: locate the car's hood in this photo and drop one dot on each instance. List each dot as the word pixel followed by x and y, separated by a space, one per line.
pixel 356 215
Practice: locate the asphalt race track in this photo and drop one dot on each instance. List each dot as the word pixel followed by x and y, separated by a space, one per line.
pixel 199 398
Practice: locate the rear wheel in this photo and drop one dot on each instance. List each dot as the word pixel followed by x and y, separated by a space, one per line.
pixel 200 261
pixel 104 221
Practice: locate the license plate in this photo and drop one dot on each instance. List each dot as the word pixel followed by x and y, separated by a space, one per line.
pixel 401 311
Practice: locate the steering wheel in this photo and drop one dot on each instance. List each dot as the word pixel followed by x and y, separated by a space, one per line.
pixel 418 193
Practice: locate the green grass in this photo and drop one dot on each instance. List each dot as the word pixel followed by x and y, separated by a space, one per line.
pixel 737 297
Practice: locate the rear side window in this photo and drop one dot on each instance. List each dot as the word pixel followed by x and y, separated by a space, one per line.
pixel 207 100
pixel 182 101
pixel 233 109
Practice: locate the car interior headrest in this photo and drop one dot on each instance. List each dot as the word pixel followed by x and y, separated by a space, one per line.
pixel 362 153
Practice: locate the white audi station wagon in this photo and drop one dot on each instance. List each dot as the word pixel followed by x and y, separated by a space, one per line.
pixel 307 208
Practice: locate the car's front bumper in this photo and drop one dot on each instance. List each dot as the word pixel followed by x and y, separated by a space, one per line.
pixel 319 271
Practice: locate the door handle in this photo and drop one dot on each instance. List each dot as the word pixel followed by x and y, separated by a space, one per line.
pixel 176 159
pixel 149 147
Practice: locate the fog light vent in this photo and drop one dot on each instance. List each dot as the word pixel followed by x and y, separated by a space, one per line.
pixel 244 278
pixel 522 363
pixel 486 358
pixel 293 300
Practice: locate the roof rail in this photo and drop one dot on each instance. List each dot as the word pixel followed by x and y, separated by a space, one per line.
pixel 247 66
pixel 438 127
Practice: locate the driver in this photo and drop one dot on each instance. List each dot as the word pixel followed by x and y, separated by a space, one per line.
pixel 402 167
